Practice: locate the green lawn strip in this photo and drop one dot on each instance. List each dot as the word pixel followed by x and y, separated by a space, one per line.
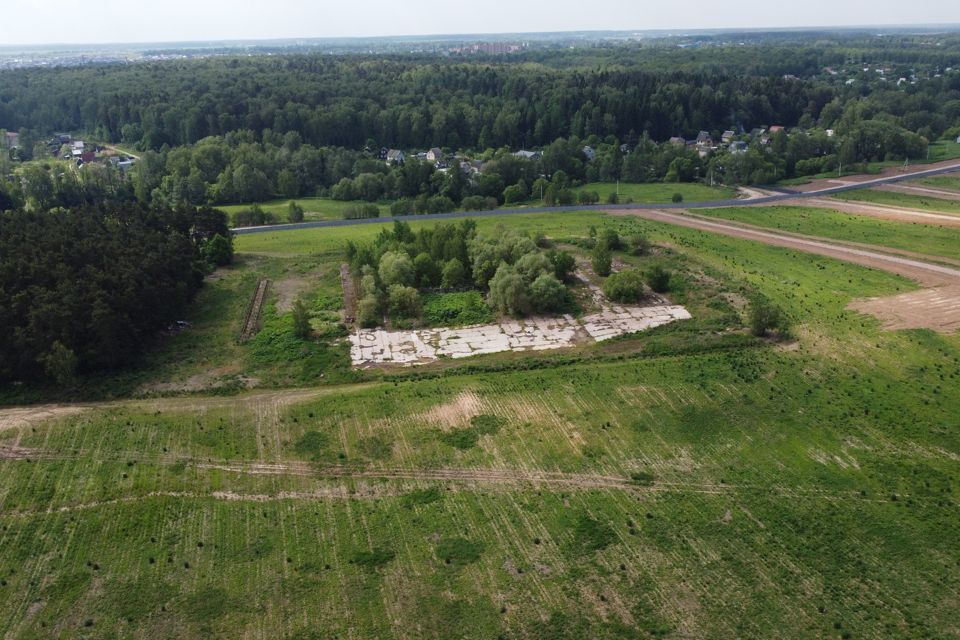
pixel 909 201
pixel 921 238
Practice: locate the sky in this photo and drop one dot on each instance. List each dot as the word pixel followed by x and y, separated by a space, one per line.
pixel 112 21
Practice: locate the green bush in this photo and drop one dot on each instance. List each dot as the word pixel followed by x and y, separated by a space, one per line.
pixel 677 197
pixel 625 287
pixel 602 259
pixel 658 279
pixel 360 211
pixel 455 309
pixel 764 316
pixel 294 212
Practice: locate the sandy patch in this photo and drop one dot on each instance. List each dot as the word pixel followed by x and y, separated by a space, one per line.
pixel 937 309
pixel 458 411
pixel 15 418
pixel 288 290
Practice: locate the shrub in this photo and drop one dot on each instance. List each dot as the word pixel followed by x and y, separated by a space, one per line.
pixel 638 244
pixel 612 238
pixel 563 264
pixel 396 268
pixel 764 316
pixel 625 287
pixel 454 274
pixel 402 207
pixel 253 217
pixel 547 293
pixel 612 198
pixel 301 320
pixel 532 265
pixel 508 292
pixel 513 193
pixel 427 273
pixel 479 203
pixel 404 301
pixel 658 279
pixel 602 259
pixel 677 197
pixel 361 211
pixel 368 312
pixel 294 212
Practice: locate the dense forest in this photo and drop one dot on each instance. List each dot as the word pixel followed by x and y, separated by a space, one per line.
pixel 244 129
pixel 88 289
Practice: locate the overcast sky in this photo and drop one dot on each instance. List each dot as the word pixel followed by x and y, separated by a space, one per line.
pixel 109 21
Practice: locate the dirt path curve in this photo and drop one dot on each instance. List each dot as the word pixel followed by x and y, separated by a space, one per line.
pixel 884 212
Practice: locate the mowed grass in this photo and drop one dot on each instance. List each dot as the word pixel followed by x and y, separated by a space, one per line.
pixel 807 486
pixel 922 238
pixel 659 192
pixel 942 182
pixel 909 201
pixel 313 208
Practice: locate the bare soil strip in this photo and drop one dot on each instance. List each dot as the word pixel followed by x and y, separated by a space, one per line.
pixel 251 323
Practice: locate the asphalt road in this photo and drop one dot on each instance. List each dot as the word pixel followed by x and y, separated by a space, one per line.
pixel 780 197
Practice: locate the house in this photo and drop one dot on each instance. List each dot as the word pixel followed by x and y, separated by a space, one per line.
pixel 831 133
pixel 87 156
pixel 78 144
pixel 704 140
pixel 776 129
pixel 727 136
pixel 395 156
pixel 678 141
pixel 527 155
pixel 625 149
pixel 11 140
pixel 126 164
pixel 757 132
pixel 589 153
pixel 63 138
pixel 737 147
pixel 434 155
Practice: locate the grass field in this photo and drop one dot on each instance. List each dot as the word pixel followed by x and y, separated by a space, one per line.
pixel 918 202
pixel 942 182
pixel 313 208
pixel 659 193
pixel 927 239
pixel 655 493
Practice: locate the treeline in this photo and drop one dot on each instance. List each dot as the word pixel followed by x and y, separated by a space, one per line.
pixel 426 101
pixel 86 289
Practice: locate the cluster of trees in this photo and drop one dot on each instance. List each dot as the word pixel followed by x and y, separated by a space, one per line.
pixel 84 289
pixel 518 277
pixel 226 130
pixel 425 100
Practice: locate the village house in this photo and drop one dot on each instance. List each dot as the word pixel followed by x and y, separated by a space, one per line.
pixel 395 156
pixel 737 147
pixel 589 153
pixel 11 140
pixel 727 136
pixel 678 141
pixel 776 129
pixel 527 155
pixel 434 155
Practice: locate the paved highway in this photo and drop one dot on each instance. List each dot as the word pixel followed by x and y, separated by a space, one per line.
pixel 779 197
